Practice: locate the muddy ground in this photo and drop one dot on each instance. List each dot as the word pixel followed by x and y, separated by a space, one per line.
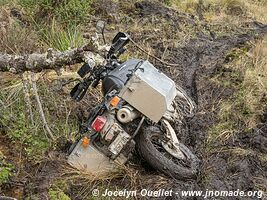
pixel 198 59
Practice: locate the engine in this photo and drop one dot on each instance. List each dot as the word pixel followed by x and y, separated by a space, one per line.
pixel 118 143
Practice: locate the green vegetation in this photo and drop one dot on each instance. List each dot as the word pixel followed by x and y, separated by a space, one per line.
pixel 60 38
pixel 65 11
pixel 22 131
pixel 57 195
pixel 5 169
pixel 217 10
pixel 32 134
pixel 60 24
pixel 50 23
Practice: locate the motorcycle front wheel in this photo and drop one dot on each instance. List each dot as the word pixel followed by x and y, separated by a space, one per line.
pixel 149 145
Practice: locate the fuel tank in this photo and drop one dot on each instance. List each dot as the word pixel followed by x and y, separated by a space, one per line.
pixel 117 78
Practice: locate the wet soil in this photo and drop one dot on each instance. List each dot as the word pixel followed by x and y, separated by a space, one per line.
pixel 29 179
pixel 12 156
pixel 198 61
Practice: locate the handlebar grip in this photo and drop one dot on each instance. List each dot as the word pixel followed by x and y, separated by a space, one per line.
pixel 78 92
pixel 85 69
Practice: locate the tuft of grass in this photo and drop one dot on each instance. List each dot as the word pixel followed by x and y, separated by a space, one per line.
pixel 22 131
pixel 18 39
pixel 74 11
pixel 57 195
pixel 221 11
pixel 60 38
pixel 167 2
pixel 122 177
pixel 234 7
pixel 4 2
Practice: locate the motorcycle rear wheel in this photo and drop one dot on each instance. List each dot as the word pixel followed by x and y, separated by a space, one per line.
pixel 153 152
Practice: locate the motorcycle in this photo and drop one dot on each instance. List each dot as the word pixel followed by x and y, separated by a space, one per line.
pixel 138 108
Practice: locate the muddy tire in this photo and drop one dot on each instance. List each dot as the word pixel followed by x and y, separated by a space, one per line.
pixel 161 160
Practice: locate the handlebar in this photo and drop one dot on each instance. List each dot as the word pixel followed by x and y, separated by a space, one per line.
pixel 117 47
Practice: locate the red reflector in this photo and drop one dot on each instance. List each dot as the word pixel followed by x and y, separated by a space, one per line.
pixel 99 123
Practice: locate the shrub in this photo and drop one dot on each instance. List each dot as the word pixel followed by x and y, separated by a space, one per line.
pixel 5 169
pixel 66 11
pixel 74 10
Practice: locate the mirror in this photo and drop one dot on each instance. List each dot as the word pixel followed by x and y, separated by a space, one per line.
pixel 100 26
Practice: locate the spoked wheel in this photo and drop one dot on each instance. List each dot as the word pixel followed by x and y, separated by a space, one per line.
pixel 150 145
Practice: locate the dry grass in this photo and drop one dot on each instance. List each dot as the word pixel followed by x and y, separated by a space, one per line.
pixel 224 16
pixel 242 112
pixel 16 37
pixel 123 177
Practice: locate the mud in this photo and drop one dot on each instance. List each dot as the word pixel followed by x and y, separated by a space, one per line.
pixel 14 187
pixel 198 61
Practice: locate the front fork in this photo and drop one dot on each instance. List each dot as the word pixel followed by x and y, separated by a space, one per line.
pixel 172 145
pixel 174 114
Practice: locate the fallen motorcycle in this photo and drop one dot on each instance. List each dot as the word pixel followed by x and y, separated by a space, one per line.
pixel 138 108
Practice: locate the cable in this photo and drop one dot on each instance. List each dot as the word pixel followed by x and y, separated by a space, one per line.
pixel 155 57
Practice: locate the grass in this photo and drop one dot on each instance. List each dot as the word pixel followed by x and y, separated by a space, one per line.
pixel 21 131
pixel 219 10
pixel 224 17
pixel 241 113
pixel 33 136
pixel 60 27
pixel 246 74
pixel 49 24
pixel 66 12
pixel 57 195
pixel 124 177
pixel 17 39
pixel 60 38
